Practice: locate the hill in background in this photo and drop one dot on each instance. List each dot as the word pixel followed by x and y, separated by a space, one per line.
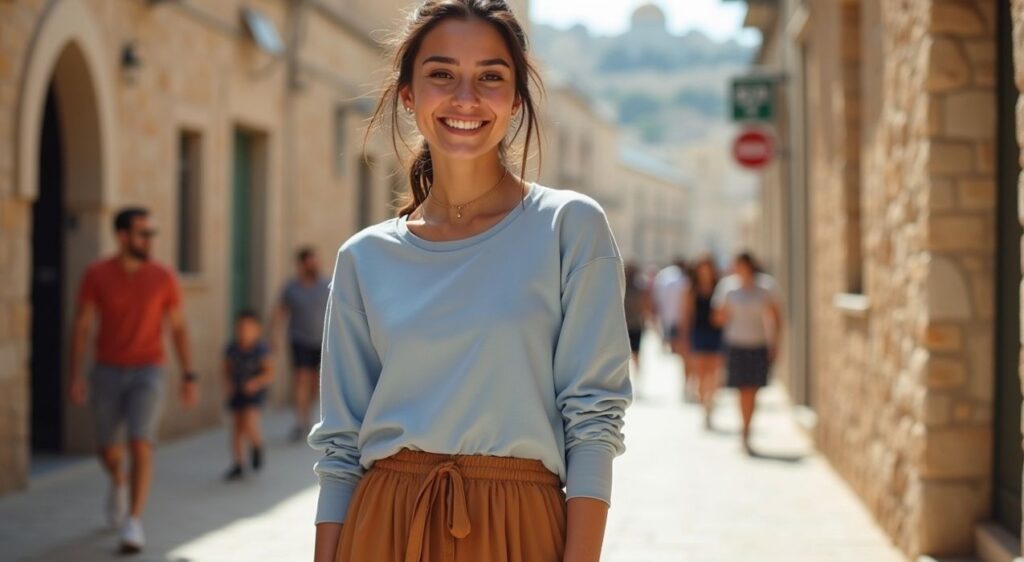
pixel 666 89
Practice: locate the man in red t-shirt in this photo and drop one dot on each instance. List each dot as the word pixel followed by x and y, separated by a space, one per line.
pixel 132 297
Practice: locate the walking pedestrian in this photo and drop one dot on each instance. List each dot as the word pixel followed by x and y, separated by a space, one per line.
pixel 667 290
pixel 703 338
pixel 747 306
pixel 132 296
pixel 248 371
pixel 303 301
pixel 637 303
pixel 476 356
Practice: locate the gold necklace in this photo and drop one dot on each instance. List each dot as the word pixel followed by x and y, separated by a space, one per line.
pixel 458 208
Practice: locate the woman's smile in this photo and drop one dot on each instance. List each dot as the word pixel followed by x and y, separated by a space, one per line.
pixel 466 127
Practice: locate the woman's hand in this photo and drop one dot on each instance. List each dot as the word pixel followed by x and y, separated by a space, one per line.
pixel 683 344
pixel 585 529
pixel 327 537
pixel 252 386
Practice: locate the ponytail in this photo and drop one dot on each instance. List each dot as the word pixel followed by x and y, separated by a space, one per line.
pixel 421 178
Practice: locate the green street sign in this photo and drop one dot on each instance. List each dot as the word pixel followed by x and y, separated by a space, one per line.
pixel 753 99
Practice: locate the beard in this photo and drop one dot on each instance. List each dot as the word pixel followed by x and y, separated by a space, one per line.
pixel 138 253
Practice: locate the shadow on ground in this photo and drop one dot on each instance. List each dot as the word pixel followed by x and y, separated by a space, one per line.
pixel 61 518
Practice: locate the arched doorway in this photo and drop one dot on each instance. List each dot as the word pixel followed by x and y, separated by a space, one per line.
pixel 66 227
pixel 65 162
pixel 45 366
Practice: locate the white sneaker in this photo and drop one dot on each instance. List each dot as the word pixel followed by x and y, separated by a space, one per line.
pixel 132 539
pixel 117 505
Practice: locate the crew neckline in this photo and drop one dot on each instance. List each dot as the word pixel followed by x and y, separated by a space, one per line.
pixel 448 245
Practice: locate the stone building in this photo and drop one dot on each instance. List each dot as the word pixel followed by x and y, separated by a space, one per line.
pixel 578 139
pixel 895 220
pixel 239 123
pixel 658 203
pixel 646 199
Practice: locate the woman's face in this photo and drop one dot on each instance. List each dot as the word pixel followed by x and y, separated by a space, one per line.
pixel 463 89
pixel 745 272
pixel 705 275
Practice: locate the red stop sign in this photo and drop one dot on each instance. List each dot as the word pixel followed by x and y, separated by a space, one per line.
pixel 753 148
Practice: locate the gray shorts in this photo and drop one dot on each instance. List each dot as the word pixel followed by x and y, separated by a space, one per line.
pixel 125 396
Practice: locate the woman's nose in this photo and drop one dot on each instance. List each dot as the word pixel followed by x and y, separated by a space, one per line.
pixel 465 94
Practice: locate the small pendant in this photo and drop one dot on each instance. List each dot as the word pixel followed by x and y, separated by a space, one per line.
pixel 458 212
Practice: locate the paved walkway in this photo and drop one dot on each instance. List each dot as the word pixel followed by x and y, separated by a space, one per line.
pixel 681 494
pixel 686 494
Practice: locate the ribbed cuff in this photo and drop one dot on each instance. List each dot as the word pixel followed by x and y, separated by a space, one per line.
pixel 332 504
pixel 589 471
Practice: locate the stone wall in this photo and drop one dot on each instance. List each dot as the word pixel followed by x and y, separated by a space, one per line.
pixel 958 332
pixel 904 392
pixel 16 27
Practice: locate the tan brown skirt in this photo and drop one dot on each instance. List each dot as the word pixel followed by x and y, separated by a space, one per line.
pixel 425 507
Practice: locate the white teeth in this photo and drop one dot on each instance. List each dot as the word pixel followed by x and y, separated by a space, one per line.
pixel 463 125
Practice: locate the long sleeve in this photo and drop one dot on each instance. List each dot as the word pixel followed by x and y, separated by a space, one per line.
pixel 591 360
pixel 349 371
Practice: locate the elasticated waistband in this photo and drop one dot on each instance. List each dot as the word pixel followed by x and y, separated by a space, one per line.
pixel 473 467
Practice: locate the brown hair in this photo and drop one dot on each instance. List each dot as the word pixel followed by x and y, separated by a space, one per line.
pixel 406 47
pixel 705 260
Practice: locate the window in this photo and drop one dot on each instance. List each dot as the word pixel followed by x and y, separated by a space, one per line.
pixel 850 14
pixel 189 179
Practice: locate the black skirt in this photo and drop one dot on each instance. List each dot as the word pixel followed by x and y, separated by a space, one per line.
pixel 747 366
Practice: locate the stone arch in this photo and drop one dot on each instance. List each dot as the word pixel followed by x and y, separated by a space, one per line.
pixel 68 48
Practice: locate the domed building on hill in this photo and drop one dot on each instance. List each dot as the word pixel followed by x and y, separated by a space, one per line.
pixel 649 18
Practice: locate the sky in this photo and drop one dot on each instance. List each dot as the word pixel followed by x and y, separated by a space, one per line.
pixel 720 19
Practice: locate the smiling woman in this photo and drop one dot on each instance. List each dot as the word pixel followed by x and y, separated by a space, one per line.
pixel 478 59
pixel 475 355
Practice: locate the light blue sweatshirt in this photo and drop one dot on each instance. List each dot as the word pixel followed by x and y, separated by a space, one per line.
pixel 511 342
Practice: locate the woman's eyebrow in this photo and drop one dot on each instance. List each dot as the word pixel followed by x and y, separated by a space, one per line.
pixel 440 59
pixel 453 61
pixel 493 62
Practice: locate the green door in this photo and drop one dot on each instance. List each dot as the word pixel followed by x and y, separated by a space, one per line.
pixel 241 224
pixel 1009 458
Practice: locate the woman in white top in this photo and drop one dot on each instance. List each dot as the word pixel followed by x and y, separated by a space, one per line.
pixel 475 353
pixel 747 307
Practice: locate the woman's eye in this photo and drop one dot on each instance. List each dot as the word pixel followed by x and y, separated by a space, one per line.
pixel 489 77
pixel 440 74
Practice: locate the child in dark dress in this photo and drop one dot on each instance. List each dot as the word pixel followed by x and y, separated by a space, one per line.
pixel 247 374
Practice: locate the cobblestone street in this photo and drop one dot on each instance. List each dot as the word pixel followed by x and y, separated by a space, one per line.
pixel 682 494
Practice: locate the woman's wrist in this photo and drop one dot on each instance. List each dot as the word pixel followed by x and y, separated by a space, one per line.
pixel 326 543
pixel 585 527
